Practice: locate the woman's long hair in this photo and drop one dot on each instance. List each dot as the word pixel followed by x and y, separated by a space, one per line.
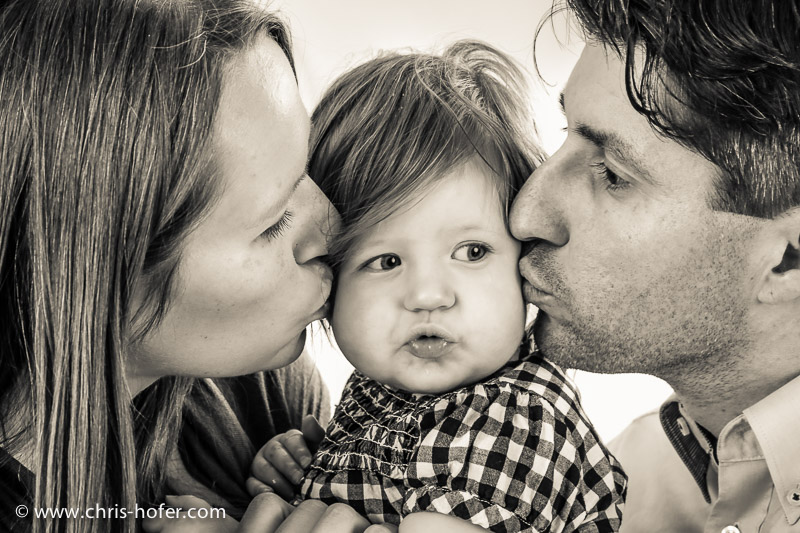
pixel 106 114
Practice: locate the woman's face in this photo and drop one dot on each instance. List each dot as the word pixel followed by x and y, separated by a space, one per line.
pixel 250 278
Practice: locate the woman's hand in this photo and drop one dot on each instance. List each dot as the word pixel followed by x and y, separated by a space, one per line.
pixel 180 521
pixel 279 464
pixel 426 521
pixel 269 513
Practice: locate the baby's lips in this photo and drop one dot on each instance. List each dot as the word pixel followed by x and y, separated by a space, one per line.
pixel 429 347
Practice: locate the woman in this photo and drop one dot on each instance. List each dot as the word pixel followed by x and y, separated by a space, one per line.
pixel 155 226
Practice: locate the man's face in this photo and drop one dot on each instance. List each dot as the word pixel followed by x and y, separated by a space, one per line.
pixel 632 270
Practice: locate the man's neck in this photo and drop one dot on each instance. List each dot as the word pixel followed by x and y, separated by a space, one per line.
pixel 714 405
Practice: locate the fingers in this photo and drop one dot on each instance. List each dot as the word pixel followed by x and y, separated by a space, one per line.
pixel 381 528
pixel 294 442
pixel 265 514
pixel 181 516
pixel 255 487
pixel 312 432
pixel 264 471
pixel 304 518
pixel 268 513
pixel 426 521
pixel 313 516
pixel 343 517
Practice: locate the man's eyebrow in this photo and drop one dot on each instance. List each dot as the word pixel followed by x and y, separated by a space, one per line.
pixel 624 151
pixel 561 101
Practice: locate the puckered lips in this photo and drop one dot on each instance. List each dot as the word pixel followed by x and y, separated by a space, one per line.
pixel 429 341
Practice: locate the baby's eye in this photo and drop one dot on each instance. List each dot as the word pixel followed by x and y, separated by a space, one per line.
pixel 383 262
pixel 471 252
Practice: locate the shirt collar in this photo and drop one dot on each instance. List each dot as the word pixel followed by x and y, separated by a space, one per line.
pixel 776 427
pixel 776 424
pixel 693 451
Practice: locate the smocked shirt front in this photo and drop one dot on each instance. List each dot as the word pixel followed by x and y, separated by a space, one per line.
pixel 512 453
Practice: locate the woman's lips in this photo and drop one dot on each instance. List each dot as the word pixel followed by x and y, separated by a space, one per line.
pixel 429 347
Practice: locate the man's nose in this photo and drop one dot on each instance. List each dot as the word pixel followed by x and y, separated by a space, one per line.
pixel 538 211
pixel 428 290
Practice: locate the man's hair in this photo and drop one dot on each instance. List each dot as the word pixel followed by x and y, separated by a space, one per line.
pixel 390 127
pixel 734 66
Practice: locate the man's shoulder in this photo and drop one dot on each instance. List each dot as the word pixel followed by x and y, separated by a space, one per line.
pixel 660 488
pixel 643 433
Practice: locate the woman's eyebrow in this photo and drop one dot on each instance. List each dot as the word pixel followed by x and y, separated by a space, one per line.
pixel 268 214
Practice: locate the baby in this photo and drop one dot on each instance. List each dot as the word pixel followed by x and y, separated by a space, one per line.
pixel 451 409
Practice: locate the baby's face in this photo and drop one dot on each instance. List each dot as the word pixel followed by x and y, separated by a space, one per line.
pixel 430 299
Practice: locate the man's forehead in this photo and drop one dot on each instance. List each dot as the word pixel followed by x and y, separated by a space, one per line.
pixel 598 109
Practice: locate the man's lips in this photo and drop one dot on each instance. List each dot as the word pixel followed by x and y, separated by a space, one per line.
pixel 533 284
pixel 535 295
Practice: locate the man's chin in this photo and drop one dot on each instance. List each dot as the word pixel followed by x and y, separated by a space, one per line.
pixel 561 346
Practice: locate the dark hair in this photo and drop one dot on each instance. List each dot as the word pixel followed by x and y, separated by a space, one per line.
pixel 391 126
pixel 734 68
pixel 107 113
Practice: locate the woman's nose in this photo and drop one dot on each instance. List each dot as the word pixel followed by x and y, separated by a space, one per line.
pixel 538 210
pixel 324 220
pixel 429 290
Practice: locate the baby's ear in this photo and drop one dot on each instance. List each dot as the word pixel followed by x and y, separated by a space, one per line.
pixel 780 279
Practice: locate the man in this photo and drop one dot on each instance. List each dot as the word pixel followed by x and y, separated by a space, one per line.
pixel 663 238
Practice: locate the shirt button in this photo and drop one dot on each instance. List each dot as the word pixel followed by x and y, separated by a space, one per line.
pixel 730 529
pixel 794 496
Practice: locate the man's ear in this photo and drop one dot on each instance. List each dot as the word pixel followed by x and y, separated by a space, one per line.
pixel 781 275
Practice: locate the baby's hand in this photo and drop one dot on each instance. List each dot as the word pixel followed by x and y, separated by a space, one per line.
pixel 179 522
pixel 278 466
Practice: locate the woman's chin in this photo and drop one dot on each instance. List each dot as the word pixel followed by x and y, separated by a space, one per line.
pixel 289 353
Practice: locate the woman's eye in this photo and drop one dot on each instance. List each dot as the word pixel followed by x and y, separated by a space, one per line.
pixel 471 252
pixel 277 229
pixel 383 262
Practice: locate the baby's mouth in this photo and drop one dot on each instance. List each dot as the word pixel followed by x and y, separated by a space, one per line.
pixel 429 347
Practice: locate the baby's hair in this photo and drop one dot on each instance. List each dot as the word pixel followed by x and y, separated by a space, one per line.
pixel 392 126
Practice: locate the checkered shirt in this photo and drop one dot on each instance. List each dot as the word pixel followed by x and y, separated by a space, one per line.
pixel 513 453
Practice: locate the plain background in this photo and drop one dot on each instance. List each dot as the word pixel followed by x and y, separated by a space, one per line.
pixel 330 37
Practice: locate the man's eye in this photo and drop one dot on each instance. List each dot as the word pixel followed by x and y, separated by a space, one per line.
pixel 471 252
pixel 383 262
pixel 613 182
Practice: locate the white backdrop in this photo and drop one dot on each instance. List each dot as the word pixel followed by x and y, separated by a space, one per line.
pixel 330 37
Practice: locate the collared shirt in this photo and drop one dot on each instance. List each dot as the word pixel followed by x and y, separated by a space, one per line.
pixel 514 452
pixel 681 482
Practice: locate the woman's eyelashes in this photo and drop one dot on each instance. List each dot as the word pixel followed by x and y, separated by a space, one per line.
pixel 471 252
pixel 277 229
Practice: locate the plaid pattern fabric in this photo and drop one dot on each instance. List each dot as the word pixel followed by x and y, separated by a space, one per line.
pixel 513 453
